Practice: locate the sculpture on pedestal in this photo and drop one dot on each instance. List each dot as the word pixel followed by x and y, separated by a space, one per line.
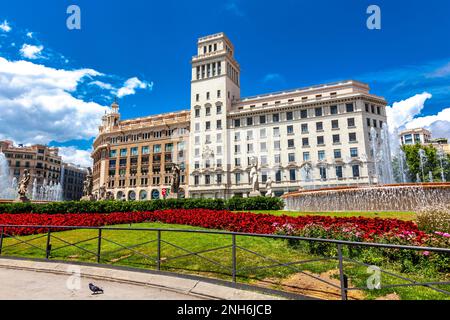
pixel 88 185
pixel 269 192
pixel 254 178
pixel 23 186
pixel 176 177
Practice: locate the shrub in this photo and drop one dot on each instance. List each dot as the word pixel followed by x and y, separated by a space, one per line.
pixel 233 204
pixel 436 218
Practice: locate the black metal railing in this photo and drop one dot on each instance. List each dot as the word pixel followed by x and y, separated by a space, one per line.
pixel 233 270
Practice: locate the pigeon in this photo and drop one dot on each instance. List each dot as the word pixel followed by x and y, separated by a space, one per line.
pixel 95 289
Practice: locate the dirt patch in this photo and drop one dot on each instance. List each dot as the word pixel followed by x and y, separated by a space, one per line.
pixel 306 284
pixel 120 258
pixel 391 296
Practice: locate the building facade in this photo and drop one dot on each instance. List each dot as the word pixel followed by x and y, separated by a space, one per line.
pixel 42 162
pixel 415 136
pixel 133 159
pixel 311 137
pixel 72 179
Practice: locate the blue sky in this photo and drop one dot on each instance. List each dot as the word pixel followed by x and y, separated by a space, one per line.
pixel 280 45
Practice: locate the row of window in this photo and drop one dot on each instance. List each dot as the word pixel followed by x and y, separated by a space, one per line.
pixel 293 175
pixel 145 150
pixel 209 70
pixel 133 182
pixel 148 135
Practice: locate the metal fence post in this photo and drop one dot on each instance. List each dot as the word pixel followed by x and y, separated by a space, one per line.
pixel 1 240
pixel 99 245
pixel 158 251
pixel 341 274
pixel 233 257
pixel 49 246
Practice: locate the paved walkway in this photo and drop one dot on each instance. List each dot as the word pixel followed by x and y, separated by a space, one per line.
pixel 30 280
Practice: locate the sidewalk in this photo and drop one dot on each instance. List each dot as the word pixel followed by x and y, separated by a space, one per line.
pixel 31 280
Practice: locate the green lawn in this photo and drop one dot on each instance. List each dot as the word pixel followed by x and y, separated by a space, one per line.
pixel 411 216
pixel 273 249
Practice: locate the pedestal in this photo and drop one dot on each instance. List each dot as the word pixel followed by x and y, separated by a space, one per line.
pixel 23 199
pixel 254 194
pixel 88 198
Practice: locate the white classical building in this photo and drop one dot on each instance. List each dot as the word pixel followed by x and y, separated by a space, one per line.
pixel 312 137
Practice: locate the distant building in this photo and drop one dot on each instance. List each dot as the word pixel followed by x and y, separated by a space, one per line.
pixel 415 136
pixel 43 162
pixel 72 178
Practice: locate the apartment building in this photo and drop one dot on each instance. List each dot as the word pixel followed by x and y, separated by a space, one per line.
pixel 72 179
pixel 43 162
pixel 133 158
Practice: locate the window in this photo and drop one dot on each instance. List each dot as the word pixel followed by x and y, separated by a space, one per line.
pixel 197 139
pixel 291 157
pixel 276 117
pixel 249 121
pixel 219 137
pixel 378 110
pixel 237 162
pixel 263 160
pixel 337 154
pixel 238 178
pixel 262 133
pixel 351 122
pixel 320 141
pixel 323 173
pixel 218 109
pixel 321 155
pixel 219 163
pixel 355 170
pixel 352 137
pixel 304 128
pixel 319 126
pixel 305 142
pixel 237 148
pixel 290 130
pixel 134 151
pixel 318 112
pixel 306 156
pixel 353 152
pixel 197 97
pixel 219 179
pixel 145 150
pixel 208 125
pixel 334 124
pixel 123 152
pixel 218 93
pixel 304 114
pixel 219 150
pixel 276 145
pixel 262 119
pixel 336 139
pixel 276 132
pixel 289 115
pixel 263 146
pixel 237 123
pixel 368 122
pixel 208 96
pixel 349 107
pixel 219 124
pixel 277 158
pixel 208 111
pixel 250 148
pixel 207 179
pixel 339 172
pixel 237 136
pixel 112 153
pixel 292 175
pixel 367 107
pixel 197 127
pixel 196 180
pixel 374 123
pixel 291 143
pixel 278 176
pixel 334 110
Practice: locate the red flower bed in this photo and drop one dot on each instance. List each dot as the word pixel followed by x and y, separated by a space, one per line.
pixel 222 220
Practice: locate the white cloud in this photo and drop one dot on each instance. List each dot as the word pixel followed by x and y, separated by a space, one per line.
pixel 30 35
pixel 36 104
pixel 406 115
pixel 76 156
pixel 131 85
pixel 270 77
pixel 404 111
pixel 31 52
pixel 5 26
pixel 102 85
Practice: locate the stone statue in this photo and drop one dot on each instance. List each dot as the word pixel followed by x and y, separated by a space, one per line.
pixel 102 193
pixel 88 185
pixel 176 177
pixel 269 192
pixel 254 179
pixel 23 186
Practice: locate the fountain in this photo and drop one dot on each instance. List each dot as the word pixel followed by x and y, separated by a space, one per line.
pixel 396 197
pixel 381 155
pixel 8 187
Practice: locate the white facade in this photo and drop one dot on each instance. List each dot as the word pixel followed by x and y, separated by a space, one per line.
pixel 312 137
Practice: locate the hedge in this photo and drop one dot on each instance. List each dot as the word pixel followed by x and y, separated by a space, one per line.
pixel 233 204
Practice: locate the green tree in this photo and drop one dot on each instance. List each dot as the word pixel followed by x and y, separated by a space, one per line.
pixel 431 163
